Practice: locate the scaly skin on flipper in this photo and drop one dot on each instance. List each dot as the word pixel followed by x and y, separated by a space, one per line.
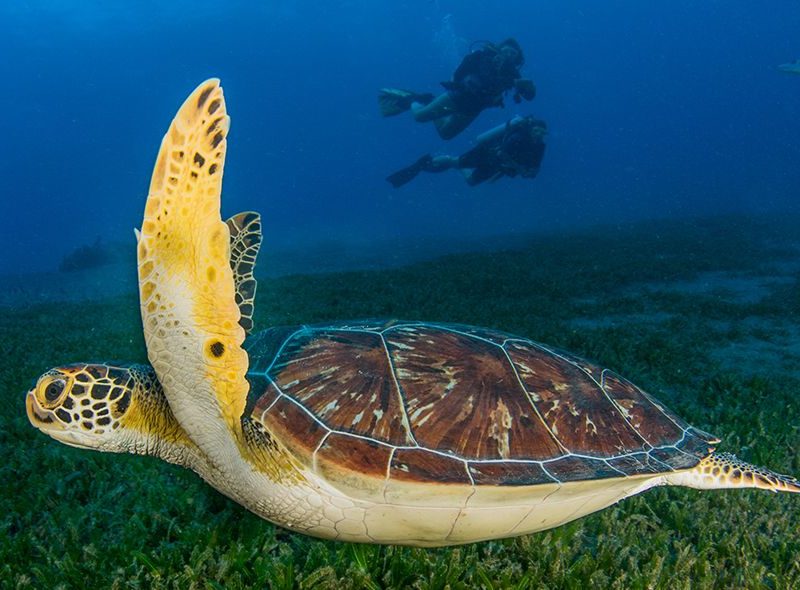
pixel 724 470
pixel 245 229
pixel 187 293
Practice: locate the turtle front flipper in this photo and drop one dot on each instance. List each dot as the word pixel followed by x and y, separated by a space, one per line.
pixel 186 284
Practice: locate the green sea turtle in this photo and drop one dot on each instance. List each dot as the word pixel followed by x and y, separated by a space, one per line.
pixel 372 431
pixel 790 68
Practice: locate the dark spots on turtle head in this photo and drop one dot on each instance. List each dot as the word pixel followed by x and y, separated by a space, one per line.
pixel 78 389
pixel 63 416
pixel 212 108
pixel 82 377
pixel 98 405
pixel 68 403
pixel 212 169
pixel 217 349
pixel 100 391
pixel 115 393
pixel 115 425
pixel 87 425
pixel 103 411
pixel 217 139
pixel 105 421
pixel 201 100
pixel 96 372
pixel 85 402
pixel 199 160
pixel 122 404
pixel 88 414
pixel 117 375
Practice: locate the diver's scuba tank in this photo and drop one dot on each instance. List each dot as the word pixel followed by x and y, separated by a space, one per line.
pixel 496 132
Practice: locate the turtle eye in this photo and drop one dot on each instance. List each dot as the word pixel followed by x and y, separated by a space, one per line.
pixel 54 390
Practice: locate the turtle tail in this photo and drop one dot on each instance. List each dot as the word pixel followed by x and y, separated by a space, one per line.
pixel 724 470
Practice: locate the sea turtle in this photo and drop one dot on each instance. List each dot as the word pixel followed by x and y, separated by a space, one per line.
pixel 790 68
pixel 401 432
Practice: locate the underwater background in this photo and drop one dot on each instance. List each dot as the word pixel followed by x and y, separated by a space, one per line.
pixel 661 238
pixel 654 110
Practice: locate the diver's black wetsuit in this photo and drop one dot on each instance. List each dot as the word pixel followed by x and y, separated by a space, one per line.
pixel 516 152
pixel 513 149
pixel 481 80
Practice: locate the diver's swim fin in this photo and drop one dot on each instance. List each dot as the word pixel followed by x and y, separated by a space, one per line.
pixel 409 173
pixel 393 101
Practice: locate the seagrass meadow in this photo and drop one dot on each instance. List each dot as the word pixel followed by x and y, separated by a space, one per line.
pixel 704 314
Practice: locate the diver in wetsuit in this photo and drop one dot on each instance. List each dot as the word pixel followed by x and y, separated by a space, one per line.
pixel 515 148
pixel 480 81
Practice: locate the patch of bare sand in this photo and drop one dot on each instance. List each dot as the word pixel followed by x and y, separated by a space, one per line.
pixel 767 347
pixel 731 287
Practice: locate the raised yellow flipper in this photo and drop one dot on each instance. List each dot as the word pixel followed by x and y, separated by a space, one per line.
pixel 187 292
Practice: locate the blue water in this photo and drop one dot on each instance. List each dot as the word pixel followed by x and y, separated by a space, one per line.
pixel 667 109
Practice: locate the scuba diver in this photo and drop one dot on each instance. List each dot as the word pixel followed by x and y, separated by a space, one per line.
pixel 479 82
pixel 515 148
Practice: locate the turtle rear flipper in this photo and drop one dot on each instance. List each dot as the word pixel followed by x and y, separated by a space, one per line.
pixel 724 470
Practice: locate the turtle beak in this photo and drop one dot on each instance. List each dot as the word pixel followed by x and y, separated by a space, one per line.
pixel 45 420
pixel 41 418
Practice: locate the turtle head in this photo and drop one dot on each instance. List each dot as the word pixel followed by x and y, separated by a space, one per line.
pixel 112 408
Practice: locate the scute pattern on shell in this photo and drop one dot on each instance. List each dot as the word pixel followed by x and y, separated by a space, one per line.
pixel 443 403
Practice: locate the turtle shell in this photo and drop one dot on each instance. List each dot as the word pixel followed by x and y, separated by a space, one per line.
pixel 440 403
